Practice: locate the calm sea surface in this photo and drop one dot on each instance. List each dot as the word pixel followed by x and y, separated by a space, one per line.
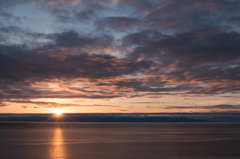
pixel 118 141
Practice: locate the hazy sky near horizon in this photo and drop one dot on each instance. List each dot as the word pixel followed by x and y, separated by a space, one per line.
pixel 119 56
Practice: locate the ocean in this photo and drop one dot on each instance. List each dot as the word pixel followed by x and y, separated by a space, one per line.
pixel 39 140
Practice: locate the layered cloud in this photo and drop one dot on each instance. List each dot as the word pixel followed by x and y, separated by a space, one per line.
pixel 116 49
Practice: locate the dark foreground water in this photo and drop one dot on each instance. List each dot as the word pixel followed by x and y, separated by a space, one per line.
pixel 118 141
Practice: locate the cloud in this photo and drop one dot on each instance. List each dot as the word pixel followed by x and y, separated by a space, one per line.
pixel 8 3
pixel 150 102
pixel 20 64
pixel 118 23
pixel 24 107
pixel 119 49
pixel 187 15
pixel 2 104
pixel 72 38
pixel 221 106
pixel 42 104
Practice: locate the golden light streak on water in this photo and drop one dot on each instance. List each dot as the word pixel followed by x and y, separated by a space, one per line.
pixel 58 149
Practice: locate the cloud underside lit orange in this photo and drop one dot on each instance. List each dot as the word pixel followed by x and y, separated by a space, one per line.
pixel 119 56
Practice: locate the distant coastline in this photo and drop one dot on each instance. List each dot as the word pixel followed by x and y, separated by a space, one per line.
pixel 124 117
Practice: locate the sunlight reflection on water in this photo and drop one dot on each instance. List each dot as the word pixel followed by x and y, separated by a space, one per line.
pixel 58 149
pixel 119 141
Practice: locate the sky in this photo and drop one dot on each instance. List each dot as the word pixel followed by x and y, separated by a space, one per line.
pixel 119 56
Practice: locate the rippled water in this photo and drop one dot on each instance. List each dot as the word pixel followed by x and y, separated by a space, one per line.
pixel 118 141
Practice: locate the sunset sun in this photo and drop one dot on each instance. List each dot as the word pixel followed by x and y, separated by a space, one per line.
pixel 58 112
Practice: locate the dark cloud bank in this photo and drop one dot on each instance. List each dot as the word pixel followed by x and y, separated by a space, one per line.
pixel 160 47
pixel 123 117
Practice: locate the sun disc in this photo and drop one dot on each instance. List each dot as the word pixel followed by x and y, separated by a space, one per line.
pixel 57 112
